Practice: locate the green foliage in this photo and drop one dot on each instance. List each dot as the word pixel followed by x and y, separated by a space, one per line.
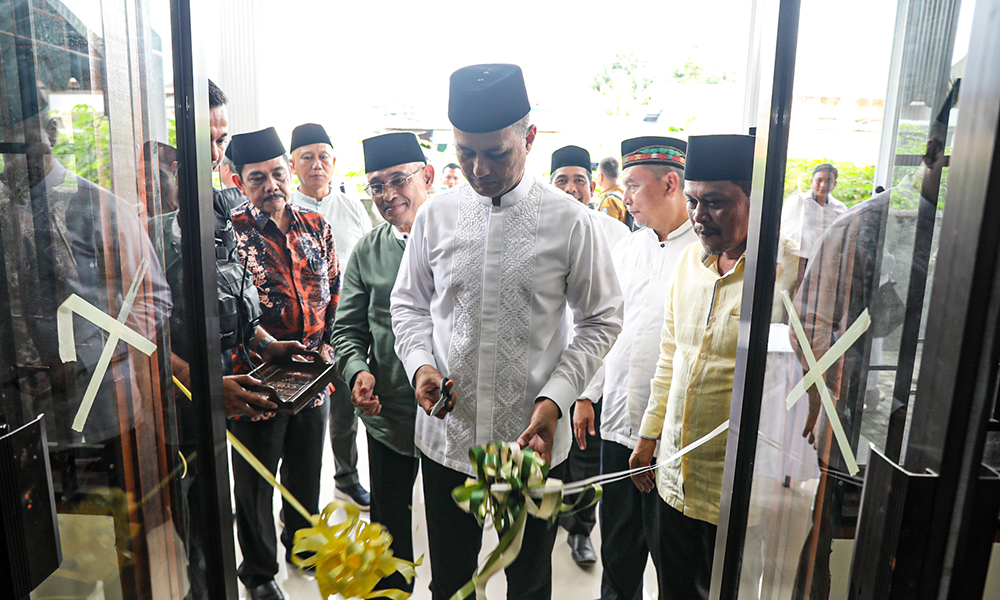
pixel 86 151
pixel 854 182
pixel 625 81
pixel 692 72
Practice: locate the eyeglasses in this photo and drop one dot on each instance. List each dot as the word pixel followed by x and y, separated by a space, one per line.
pixel 376 190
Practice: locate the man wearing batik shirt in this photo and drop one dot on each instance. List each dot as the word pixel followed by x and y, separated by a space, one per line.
pixel 290 253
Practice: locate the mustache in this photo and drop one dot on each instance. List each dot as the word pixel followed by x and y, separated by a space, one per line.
pixel 273 196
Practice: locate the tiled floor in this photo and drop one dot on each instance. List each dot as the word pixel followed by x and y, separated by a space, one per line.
pixel 569 580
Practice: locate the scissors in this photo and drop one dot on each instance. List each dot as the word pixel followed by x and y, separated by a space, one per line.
pixel 442 403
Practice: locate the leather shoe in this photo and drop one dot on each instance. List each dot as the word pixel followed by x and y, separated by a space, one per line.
pixel 582 550
pixel 265 591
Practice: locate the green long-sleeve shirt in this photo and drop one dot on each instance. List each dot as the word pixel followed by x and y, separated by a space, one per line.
pixel 363 338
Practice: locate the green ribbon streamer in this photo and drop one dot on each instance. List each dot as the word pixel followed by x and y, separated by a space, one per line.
pixel 511 484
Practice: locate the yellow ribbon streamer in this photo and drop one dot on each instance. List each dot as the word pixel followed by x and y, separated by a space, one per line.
pixel 349 558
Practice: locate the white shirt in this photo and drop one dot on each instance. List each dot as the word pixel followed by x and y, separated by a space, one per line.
pixel 803 220
pixel 645 268
pixel 347 217
pixel 614 230
pixel 481 295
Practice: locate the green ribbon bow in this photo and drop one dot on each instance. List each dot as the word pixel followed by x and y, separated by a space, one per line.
pixel 511 484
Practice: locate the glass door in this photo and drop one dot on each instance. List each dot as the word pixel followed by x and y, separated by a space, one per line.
pixel 92 309
pixel 864 116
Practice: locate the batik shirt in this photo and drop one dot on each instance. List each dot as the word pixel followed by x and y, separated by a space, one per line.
pixel 297 276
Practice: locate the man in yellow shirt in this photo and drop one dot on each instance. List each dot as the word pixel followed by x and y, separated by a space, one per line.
pixel 612 197
pixel 693 382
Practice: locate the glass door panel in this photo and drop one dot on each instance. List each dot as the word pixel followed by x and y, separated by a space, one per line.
pixel 866 183
pixel 87 191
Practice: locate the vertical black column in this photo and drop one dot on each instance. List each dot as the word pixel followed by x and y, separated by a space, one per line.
pixel 758 295
pixel 191 20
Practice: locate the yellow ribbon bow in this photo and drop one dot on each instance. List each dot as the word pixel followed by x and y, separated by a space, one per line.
pixel 350 558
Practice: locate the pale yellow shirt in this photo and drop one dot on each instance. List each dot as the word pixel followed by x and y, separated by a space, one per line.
pixel 693 384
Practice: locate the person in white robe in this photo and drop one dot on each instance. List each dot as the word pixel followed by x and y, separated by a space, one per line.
pixel 491 268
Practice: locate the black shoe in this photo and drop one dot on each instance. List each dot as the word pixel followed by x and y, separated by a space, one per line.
pixel 265 591
pixel 582 550
pixel 355 494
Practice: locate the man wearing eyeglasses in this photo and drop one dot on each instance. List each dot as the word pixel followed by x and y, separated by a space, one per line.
pixel 488 276
pixel 312 161
pixel 398 177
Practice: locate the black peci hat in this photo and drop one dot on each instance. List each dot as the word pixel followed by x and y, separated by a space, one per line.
pixel 486 98
pixel 310 133
pixel 720 158
pixel 570 156
pixel 255 147
pixel 391 149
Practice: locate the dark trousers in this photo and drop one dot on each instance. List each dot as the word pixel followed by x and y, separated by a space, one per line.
pixel 392 479
pixel 628 522
pixel 580 465
pixel 685 549
pixel 343 435
pixel 455 538
pixel 297 442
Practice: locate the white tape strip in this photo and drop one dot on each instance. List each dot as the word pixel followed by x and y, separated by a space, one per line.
pixel 578 486
pixel 117 330
pixel 818 368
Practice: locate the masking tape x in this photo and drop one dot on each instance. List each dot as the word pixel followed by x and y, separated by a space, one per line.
pixel 818 368
pixel 116 331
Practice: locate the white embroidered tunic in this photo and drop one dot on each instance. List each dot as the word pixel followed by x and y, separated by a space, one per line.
pixel 481 295
pixel 645 268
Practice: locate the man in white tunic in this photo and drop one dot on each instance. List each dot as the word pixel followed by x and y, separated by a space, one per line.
pixel 491 269
pixel 644 262
pixel 571 173
pixel 312 161
pixel 805 216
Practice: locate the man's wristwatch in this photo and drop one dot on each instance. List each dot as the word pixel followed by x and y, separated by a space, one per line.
pixel 264 343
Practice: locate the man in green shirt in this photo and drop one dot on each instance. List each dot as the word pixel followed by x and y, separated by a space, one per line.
pixel 398 177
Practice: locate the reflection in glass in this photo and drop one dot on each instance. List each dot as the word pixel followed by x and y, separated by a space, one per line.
pixel 85 136
pixel 867 252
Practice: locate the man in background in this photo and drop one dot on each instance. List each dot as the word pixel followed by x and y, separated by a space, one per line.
pixel 612 197
pixel 313 161
pixel 451 175
pixel 570 168
pixel 806 215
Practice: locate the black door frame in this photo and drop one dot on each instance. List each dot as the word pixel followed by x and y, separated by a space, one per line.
pixel 191 23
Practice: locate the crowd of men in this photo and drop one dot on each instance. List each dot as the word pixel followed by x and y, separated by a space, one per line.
pixel 603 338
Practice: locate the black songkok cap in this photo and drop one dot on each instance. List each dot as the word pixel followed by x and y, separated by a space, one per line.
pixel 570 156
pixel 391 149
pixel 654 150
pixel 310 133
pixel 719 158
pixel 256 146
pixel 486 98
